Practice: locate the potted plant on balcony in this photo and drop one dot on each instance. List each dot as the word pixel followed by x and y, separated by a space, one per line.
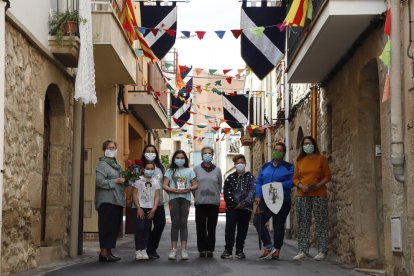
pixel 64 23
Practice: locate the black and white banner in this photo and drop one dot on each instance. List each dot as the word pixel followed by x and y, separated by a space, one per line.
pixel 182 103
pixel 236 110
pixel 262 53
pixel 159 17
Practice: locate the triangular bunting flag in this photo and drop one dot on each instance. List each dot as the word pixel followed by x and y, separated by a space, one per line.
pixel 229 79
pixel 258 31
pixel 142 30
pixel 198 71
pixel 154 31
pixel 186 33
pixel 212 71
pixel 220 34
pixel 225 71
pixel 217 83
pixel 200 34
pixel 237 33
pixel 170 32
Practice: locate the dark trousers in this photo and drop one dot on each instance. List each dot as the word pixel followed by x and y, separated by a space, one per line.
pixel 278 224
pixel 109 222
pixel 142 230
pixel 239 219
pixel 156 233
pixel 206 217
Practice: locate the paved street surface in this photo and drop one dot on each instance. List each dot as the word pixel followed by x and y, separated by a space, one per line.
pixel 88 263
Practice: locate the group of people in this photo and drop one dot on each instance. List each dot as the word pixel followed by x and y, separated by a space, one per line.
pixel 241 189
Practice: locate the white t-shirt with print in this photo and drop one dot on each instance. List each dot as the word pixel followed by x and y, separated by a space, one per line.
pixel 146 191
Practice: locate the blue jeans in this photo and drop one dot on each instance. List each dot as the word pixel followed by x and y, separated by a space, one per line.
pixel 278 224
pixel 239 219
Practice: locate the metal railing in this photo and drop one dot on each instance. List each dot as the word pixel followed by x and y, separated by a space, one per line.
pixel 297 35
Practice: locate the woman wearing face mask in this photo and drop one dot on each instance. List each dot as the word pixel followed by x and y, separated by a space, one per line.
pixel 179 182
pixel 311 175
pixel 150 154
pixel 109 200
pixel 277 170
pixel 146 194
pixel 239 191
pixel 207 202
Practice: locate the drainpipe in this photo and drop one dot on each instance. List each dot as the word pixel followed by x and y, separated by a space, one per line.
pixel 397 144
pixel 286 90
pixel 76 175
pixel 2 87
pixel 314 115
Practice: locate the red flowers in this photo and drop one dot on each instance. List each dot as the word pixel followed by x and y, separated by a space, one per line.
pixel 138 162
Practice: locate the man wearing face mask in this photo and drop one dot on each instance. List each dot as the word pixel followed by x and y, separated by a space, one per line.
pixel 207 202
pixel 239 191
pixel 277 170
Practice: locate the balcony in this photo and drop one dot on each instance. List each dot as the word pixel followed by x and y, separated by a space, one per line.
pixel 66 50
pixel 115 59
pixel 147 107
pixel 314 51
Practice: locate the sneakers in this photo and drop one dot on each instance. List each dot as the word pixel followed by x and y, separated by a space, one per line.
pixel 300 256
pixel 240 254
pixel 203 254
pixel 184 254
pixel 226 254
pixel 267 253
pixel 209 254
pixel 141 255
pixel 173 254
pixel 276 255
pixel 321 256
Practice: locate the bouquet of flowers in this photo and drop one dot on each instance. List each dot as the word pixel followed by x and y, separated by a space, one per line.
pixel 133 171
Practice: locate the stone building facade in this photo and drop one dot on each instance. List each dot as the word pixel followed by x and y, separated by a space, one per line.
pixel 354 132
pixel 38 154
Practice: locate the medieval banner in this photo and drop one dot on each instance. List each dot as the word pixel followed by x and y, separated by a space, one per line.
pixel 156 19
pixel 262 52
pixel 236 110
pixel 181 102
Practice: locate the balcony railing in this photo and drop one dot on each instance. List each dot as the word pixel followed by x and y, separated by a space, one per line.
pixel 297 35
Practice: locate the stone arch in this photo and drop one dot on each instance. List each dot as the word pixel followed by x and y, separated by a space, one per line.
pixel 54 170
pixel 367 187
pixel 299 137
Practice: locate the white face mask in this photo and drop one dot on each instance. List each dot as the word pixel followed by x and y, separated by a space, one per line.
pixel 110 153
pixel 240 167
pixel 150 156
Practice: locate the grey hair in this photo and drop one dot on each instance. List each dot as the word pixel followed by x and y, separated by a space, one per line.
pixel 207 148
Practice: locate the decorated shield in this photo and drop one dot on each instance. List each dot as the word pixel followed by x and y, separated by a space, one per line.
pixel 273 196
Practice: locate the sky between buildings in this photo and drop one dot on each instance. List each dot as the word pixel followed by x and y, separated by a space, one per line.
pixel 210 52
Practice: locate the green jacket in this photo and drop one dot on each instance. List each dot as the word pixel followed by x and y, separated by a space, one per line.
pixel 107 190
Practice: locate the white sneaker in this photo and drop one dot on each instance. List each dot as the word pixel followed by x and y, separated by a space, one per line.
pixel 184 254
pixel 321 256
pixel 173 254
pixel 144 255
pixel 300 256
pixel 138 255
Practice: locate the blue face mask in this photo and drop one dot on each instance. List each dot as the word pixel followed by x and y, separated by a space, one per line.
pixel 207 157
pixel 179 162
pixel 149 173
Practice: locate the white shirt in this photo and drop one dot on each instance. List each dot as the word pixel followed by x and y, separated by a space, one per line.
pixel 146 191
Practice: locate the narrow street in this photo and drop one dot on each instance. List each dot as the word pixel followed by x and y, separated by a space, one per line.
pixel 89 265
